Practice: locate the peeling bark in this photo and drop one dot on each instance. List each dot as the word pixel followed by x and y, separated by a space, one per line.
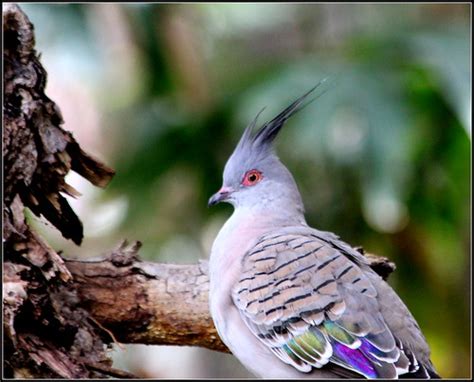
pixel 47 333
pixel 37 152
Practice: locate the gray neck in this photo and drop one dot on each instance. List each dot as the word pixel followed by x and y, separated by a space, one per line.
pixel 280 205
pixel 270 217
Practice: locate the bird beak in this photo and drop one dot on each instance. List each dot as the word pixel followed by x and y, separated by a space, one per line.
pixel 220 196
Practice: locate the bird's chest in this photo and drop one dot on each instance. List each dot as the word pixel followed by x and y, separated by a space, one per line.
pixel 233 241
pixel 225 267
pixel 235 238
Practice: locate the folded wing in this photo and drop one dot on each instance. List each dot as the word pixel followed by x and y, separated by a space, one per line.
pixel 314 307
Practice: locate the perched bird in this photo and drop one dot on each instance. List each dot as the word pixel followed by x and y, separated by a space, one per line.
pixel 291 301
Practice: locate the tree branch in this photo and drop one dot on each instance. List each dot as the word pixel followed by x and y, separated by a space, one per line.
pixel 147 303
pixel 160 304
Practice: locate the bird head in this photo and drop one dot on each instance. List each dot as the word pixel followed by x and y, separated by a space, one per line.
pixel 254 177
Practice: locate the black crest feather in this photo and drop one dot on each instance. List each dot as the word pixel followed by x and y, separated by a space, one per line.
pixel 262 140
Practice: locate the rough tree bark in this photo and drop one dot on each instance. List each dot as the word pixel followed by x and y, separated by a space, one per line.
pixel 47 333
pixel 61 316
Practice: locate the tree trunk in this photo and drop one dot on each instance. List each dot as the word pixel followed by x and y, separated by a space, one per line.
pixel 61 316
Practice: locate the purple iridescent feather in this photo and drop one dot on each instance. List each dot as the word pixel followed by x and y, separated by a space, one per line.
pixel 367 348
pixel 355 358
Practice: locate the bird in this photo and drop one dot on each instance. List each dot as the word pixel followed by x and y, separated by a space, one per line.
pixel 292 301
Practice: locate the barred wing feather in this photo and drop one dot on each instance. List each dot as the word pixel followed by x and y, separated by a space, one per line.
pixel 310 301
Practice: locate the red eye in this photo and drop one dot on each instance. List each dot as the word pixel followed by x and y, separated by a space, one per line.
pixel 252 177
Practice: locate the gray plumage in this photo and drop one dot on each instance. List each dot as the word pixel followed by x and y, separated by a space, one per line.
pixel 291 301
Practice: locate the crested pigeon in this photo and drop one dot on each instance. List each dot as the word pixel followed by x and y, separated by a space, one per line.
pixel 291 301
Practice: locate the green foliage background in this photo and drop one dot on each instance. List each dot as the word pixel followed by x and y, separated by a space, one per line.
pixel 382 158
